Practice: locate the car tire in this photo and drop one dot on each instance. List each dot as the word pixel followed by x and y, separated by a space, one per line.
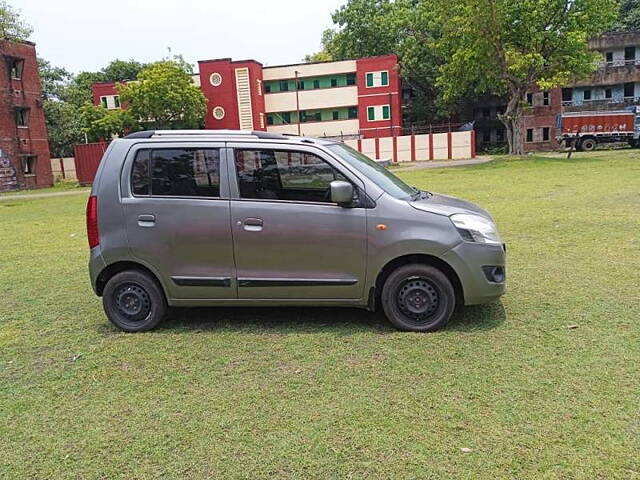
pixel 418 298
pixel 133 301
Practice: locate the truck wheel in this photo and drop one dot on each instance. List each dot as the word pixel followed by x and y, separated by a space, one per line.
pixel 133 301
pixel 418 298
pixel 588 145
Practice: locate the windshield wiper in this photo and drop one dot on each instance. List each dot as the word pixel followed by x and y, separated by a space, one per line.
pixel 420 194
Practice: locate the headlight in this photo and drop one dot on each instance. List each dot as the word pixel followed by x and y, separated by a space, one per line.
pixel 474 228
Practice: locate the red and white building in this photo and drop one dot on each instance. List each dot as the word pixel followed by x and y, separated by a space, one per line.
pixel 345 98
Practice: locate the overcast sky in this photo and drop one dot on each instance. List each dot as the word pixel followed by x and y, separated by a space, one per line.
pixel 87 34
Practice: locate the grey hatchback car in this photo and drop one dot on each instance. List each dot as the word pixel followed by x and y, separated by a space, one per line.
pixel 223 217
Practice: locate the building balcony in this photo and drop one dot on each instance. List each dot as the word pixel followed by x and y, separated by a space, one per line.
pixel 611 73
pixel 600 104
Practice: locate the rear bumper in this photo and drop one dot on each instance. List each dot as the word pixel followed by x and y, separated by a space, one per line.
pixel 470 260
pixel 96 265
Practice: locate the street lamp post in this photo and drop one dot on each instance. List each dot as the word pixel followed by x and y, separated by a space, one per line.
pixel 297 101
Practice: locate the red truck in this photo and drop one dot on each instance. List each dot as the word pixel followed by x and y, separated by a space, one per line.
pixel 589 129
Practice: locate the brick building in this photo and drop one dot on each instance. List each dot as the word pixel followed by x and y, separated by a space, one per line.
pixel 615 85
pixel 350 98
pixel 24 148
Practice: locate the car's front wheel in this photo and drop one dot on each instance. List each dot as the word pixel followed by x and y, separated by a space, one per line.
pixel 133 301
pixel 418 298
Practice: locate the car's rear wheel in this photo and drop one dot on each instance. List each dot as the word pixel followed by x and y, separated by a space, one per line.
pixel 418 298
pixel 133 301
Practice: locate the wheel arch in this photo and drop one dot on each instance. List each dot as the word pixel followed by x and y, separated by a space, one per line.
pixel 424 259
pixel 110 270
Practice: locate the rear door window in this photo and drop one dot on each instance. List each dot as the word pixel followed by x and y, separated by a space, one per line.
pixel 284 175
pixel 177 172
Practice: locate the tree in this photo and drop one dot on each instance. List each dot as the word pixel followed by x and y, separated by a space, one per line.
pixel 12 27
pixel 405 27
pixel 506 47
pixel 164 97
pixel 53 79
pixel 121 70
pixel 324 55
pixel 101 124
pixel 62 119
pixel 64 126
pixel 628 16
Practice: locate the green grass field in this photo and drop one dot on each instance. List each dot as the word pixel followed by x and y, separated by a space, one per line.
pixel 321 393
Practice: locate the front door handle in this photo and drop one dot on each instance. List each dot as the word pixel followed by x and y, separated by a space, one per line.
pixel 146 220
pixel 252 224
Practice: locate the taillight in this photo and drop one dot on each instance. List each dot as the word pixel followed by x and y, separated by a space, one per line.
pixel 92 222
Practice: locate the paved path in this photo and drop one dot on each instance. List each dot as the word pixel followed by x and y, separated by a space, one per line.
pixel 442 164
pixel 29 196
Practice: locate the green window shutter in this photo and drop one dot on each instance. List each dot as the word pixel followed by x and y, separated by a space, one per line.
pixel 336 115
pixel 385 112
pixel 352 113
pixel 369 79
pixel 316 84
pixel 351 78
pixel 334 82
pixel 371 113
pixel 384 78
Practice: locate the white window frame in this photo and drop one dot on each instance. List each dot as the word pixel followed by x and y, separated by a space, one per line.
pixel 378 113
pixel 377 79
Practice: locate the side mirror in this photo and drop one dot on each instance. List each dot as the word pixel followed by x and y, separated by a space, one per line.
pixel 341 193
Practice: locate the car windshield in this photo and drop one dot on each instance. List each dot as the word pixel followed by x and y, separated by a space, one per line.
pixel 375 172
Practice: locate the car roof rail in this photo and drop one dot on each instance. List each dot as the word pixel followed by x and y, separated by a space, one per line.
pixel 207 133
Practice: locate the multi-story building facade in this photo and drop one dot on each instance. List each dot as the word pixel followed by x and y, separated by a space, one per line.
pixel 615 85
pixel 346 98
pixel 24 147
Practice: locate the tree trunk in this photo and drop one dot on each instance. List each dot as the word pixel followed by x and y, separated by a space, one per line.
pixel 512 120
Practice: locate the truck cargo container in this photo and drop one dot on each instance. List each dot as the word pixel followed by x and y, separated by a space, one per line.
pixel 588 129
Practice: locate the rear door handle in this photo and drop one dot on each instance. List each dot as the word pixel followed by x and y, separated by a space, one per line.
pixel 146 220
pixel 252 224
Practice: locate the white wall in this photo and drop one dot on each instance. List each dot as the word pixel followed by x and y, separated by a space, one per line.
pixel 319 129
pixel 461 147
pixel 308 70
pixel 311 99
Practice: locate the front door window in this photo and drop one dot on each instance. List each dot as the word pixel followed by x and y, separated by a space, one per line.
pixel 284 175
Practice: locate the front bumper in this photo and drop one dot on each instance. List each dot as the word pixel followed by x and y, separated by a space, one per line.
pixel 468 260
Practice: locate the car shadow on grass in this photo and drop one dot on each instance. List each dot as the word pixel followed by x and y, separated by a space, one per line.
pixel 345 321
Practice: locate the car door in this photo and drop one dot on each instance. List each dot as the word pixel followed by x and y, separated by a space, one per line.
pixel 290 241
pixel 176 209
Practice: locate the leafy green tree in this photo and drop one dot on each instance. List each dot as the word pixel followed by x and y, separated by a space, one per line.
pixel 53 79
pixel 12 27
pixel 121 70
pixel 61 118
pixel 164 97
pixel 324 55
pixel 507 46
pixel 64 127
pixel 405 27
pixel 100 124
pixel 628 16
